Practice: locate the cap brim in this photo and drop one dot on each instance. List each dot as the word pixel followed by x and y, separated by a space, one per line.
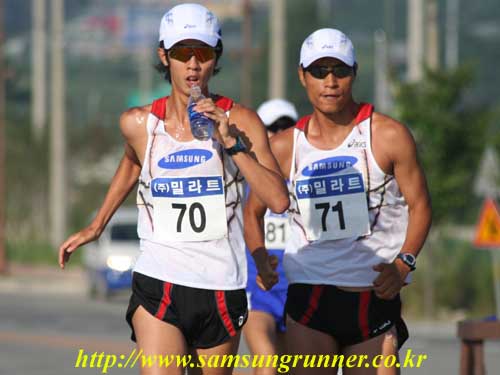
pixel 310 59
pixel 210 40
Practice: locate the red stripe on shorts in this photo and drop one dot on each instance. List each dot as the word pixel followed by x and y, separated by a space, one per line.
pixel 364 303
pixel 165 301
pixel 313 304
pixel 224 313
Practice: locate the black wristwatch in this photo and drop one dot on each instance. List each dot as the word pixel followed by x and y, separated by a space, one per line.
pixel 409 260
pixel 239 146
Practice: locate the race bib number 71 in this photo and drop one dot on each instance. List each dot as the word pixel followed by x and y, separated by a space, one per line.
pixel 333 207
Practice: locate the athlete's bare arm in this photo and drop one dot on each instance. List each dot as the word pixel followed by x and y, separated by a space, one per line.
pixel 133 128
pixel 258 166
pixel 255 209
pixel 396 153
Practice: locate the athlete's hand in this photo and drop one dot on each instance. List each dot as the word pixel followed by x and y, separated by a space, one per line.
pixel 74 241
pixel 267 276
pixel 391 279
pixel 266 266
pixel 222 132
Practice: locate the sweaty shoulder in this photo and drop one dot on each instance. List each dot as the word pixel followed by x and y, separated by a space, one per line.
pixel 390 138
pixel 133 122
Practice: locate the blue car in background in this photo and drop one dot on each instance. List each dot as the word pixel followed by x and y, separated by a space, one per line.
pixel 109 260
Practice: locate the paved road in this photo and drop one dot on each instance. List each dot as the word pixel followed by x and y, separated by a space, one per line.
pixel 45 319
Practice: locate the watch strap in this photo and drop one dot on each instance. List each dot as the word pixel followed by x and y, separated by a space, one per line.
pixel 239 146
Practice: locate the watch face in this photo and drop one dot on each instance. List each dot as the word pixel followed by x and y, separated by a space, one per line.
pixel 410 259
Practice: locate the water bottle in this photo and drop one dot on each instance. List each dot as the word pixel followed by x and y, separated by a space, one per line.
pixel 201 126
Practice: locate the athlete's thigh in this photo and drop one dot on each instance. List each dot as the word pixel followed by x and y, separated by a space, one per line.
pixel 261 337
pixel 302 340
pixel 377 356
pixel 155 337
pixel 260 333
pixel 211 359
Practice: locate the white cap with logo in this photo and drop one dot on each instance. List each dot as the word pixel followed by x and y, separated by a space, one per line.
pixel 189 21
pixel 273 109
pixel 327 43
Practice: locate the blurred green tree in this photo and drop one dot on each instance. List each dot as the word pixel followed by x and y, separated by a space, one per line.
pixel 451 134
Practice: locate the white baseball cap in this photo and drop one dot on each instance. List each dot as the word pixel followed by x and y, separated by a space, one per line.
pixel 189 21
pixel 273 109
pixel 327 43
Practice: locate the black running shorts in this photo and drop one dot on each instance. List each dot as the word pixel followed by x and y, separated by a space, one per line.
pixel 349 317
pixel 207 318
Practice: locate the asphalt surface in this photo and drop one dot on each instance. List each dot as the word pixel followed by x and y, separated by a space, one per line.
pixel 46 319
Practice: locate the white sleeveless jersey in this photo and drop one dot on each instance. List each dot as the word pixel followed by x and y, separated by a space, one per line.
pixel 190 222
pixel 346 214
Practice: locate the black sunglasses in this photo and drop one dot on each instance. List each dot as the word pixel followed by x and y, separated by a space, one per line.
pixel 321 71
pixel 185 52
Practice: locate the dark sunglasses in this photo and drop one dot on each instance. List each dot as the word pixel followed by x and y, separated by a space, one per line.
pixel 321 71
pixel 184 53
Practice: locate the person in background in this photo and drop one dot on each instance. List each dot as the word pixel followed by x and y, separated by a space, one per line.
pixel 265 327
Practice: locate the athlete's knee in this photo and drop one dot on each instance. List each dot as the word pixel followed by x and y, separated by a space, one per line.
pixel 390 342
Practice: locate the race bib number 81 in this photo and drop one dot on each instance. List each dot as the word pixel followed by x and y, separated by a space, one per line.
pixel 277 231
pixel 333 207
pixel 189 209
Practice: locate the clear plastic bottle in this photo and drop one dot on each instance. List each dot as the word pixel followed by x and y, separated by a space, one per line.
pixel 201 126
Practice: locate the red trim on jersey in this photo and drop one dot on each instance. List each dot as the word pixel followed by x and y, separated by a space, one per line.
pixel 224 313
pixel 159 106
pixel 364 304
pixel 165 301
pixel 313 304
pixel 365 112
pixel 301 124
pixel 224 103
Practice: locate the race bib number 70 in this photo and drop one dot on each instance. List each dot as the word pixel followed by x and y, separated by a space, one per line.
pixel 189 208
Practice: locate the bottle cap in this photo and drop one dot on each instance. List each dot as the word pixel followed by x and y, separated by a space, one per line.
pixel 195 91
